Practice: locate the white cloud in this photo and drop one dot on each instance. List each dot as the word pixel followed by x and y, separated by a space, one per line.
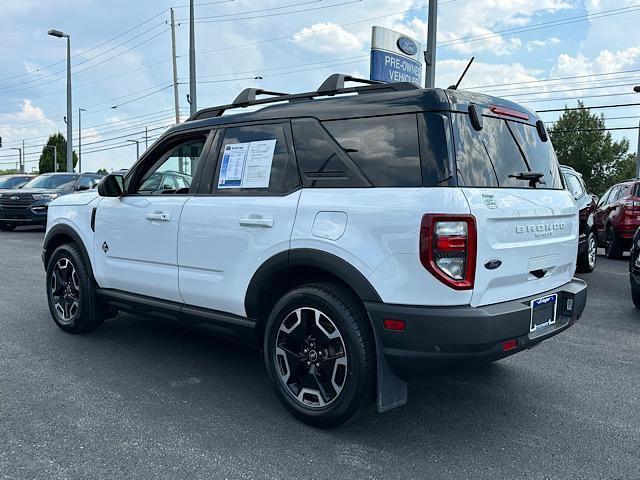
pixel 533 44
pixel 327 37
pixel 481 74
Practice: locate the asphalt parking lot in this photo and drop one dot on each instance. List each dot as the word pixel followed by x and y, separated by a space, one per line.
pixel 142 399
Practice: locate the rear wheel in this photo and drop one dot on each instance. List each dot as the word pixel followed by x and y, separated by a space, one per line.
pixel 5 227
pixel 319 353
pixel 587 260
pixel 612 247
pixel 70 291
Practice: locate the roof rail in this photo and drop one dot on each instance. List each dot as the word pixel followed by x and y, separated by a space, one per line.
pixel 333 85
pixel 336 81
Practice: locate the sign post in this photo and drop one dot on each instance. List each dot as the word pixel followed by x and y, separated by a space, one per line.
pixel 395 57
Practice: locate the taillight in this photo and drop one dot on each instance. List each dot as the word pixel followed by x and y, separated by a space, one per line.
pixel 632 202
pixel 448 249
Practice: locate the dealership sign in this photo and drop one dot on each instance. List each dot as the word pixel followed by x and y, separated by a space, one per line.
pixel 395 57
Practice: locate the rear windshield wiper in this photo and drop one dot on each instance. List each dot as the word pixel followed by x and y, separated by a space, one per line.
pixel 532 177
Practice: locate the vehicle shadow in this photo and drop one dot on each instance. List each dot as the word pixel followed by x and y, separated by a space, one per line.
pixel 217 384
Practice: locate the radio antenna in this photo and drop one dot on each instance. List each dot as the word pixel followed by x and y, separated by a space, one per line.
pixel 455 87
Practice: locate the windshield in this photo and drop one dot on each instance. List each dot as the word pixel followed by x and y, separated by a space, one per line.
pixel 12 182
pixel 62 182
pixel 502 154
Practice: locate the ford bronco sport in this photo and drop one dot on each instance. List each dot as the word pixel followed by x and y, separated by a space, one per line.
pixel 355 233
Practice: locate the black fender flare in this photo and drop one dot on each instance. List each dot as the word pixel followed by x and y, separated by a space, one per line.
pixel 58 231
pixel 307 257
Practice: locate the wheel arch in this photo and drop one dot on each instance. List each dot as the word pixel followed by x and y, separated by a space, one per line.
pixel 285 270
pixel 59 235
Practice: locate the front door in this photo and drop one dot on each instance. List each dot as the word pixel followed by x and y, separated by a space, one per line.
pixel 136 236
pixel 244 217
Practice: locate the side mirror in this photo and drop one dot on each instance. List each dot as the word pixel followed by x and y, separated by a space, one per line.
pixel 81 188
pixel 111 186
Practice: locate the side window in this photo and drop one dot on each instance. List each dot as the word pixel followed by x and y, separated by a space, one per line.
pixel 323 164
pixel 624 191
pixel 180 158
pixel 574 185
pixel 181 182
pixel 613 195
pixel 385 149
pixel 255 159
pixel 603 200
pixel 85 183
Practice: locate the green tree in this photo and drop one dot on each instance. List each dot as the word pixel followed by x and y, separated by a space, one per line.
pixel 581 142
pixel 102 171
pixel 46 157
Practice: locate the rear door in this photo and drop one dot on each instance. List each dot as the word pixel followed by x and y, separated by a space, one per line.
pixel 526 227
pixel 243 215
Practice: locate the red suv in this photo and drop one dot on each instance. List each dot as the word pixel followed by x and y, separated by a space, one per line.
pixel 618 216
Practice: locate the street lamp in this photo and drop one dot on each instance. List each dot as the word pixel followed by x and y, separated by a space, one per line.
pixel 20 170
pixel 55 156
pixel 59 34
pixel 137 142
pixel 80 110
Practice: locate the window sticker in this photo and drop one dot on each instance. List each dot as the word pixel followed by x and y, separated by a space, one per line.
pixel 247 165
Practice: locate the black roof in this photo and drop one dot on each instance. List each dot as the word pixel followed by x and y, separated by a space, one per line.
pixel 335 101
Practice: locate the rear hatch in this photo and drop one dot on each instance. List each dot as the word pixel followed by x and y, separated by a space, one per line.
pixel 527 223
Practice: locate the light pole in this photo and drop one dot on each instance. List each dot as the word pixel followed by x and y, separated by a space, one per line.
pixel 80 110
pixel 193 101
pixel 59 34
pixel 137 148
pixel 19 159
pixel 430 53
pixel 55 156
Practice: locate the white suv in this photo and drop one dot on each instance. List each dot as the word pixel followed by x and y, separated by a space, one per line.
pixel 357 239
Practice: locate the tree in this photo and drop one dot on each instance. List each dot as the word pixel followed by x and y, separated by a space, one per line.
pixel 46 157
pixel 103 171
pixel 581 142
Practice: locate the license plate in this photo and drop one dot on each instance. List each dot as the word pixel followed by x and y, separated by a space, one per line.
pixel 543 312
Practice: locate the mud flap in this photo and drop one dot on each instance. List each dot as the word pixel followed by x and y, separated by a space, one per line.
pixel 391 391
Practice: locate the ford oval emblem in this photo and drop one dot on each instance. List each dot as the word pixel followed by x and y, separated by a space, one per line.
pixel 493 264
pixel 407 46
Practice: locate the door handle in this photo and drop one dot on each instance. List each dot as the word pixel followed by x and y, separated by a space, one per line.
pixel 158 217
pixel 256 222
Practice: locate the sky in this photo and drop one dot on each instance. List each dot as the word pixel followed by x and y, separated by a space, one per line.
pixel 121 57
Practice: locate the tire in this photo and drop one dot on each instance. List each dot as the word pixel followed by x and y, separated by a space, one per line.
pixel 635 295
pixel 587 261
pixel 5 227
pixel 612 247
pixel 323 330
pixel 71 292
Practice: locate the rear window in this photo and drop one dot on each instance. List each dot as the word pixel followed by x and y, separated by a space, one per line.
pixel 494 156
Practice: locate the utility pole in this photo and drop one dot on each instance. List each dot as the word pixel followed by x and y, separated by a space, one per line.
pixel 19 165
pixel 430 53
pixel 176 100
pixel 637 90
pixel 192 61
pixel 80 110
pixel 146 138
pixel 22 158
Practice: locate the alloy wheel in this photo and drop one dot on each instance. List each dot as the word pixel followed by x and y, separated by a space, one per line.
pixel 311 358
pixel 65 290
pixel 592 251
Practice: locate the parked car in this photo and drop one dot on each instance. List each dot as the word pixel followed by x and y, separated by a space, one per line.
pixel 588 239
pixel 11 182
pixel 618 217
pixel 29 204
pixel 346 236
pixel 166 182
pixel 634 268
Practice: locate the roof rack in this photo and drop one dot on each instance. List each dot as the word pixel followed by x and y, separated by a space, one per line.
pixel 333 85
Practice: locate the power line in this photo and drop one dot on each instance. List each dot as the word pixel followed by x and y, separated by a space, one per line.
pixel 595 107
pixel 545 92
pixel 580 130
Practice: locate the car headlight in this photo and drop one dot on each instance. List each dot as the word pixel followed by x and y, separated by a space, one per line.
pixel 45 196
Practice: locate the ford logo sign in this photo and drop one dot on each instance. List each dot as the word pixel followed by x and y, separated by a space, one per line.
pixel 407 46
pixel 493 264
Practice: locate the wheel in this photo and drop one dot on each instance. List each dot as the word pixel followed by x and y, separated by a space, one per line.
pixel 5 227
pixel 612 247
pixel 320 356
pixel 70 291
pixel 587 261
pixel 635 295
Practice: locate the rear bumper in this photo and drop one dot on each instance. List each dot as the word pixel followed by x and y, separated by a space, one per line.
pixel 435 335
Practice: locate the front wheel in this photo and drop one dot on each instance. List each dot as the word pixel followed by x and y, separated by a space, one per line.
pixel 587 260
pixel 70 291
pixel 320 355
